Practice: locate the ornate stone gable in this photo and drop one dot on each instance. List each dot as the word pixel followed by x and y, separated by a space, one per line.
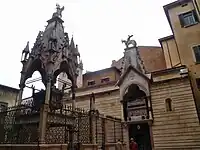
pixel 132 76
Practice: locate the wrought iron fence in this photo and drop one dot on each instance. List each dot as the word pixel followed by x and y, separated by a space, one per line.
pixel 114 130
pixel 19 125
pixel 100 131
pixel 65 124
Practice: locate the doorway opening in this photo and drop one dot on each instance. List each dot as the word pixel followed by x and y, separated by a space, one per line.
pixel 135 107
pixel 141 135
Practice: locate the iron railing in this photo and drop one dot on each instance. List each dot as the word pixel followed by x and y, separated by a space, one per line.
pixel 20 125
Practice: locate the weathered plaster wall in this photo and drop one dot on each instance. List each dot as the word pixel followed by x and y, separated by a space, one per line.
pixel 185 44
pixel 171 53
pixel 181 34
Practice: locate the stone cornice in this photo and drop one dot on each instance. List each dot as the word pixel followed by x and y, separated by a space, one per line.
pixel 8 88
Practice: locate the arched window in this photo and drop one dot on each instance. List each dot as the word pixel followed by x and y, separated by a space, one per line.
pixel 168 103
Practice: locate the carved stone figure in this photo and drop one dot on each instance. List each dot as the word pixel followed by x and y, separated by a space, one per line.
pixel 58 13
pixel 129 42
pixel 131 56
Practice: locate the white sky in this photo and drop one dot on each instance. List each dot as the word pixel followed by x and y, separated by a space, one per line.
pixel 97 25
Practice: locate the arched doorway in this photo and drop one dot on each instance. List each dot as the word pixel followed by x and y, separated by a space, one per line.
pixel 135 107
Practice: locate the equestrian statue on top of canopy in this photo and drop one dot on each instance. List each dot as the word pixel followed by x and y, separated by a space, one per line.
pixel 129 42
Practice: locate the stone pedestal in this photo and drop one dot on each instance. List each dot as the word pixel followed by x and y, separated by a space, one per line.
pixel 43 122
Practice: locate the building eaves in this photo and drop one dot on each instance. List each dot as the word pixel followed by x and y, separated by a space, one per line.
pixel 166 38
pixel 148 47
pixel 9 88
pixel 173 5
pixel 168 70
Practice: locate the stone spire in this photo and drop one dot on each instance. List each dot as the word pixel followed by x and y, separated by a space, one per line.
pixel 72 45
pixel 80 74
pixel 25 53
pixel 80 65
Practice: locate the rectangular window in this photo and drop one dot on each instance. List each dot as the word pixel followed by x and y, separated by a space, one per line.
pixel 196 50
pixel 198 83
pixel 91 83
pixel 105 80
pixel 188 18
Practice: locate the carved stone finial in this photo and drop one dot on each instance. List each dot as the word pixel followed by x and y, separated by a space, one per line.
pixel 80 65
pixel 129 42
pixel 26 49
pixel 25 53
pixel 72 45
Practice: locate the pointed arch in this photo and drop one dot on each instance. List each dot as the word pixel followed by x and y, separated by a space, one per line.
pixel 140 86
pixel 64 67
pixel 31 67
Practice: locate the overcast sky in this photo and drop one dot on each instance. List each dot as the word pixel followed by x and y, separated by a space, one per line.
pixel 97 25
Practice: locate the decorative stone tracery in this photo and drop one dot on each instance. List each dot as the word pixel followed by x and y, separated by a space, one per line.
pixel 51 54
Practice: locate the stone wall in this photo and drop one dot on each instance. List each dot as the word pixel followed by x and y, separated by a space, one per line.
pixel 107 103
pixel 33 146
pixel 179 128
pixel 7 96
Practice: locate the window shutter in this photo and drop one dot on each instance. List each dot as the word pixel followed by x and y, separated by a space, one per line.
pixel 195 15
pixel 198 82
pixel 181 20
pixel 197 53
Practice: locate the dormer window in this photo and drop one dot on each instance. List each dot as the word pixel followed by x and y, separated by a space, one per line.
pixel 90 83
pixel 105 80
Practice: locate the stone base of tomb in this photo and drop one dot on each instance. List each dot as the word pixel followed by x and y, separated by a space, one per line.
pixel 33 146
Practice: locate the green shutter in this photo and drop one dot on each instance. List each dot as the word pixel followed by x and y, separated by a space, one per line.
pixel 197 53
pixel 195 15
pixel 181 20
